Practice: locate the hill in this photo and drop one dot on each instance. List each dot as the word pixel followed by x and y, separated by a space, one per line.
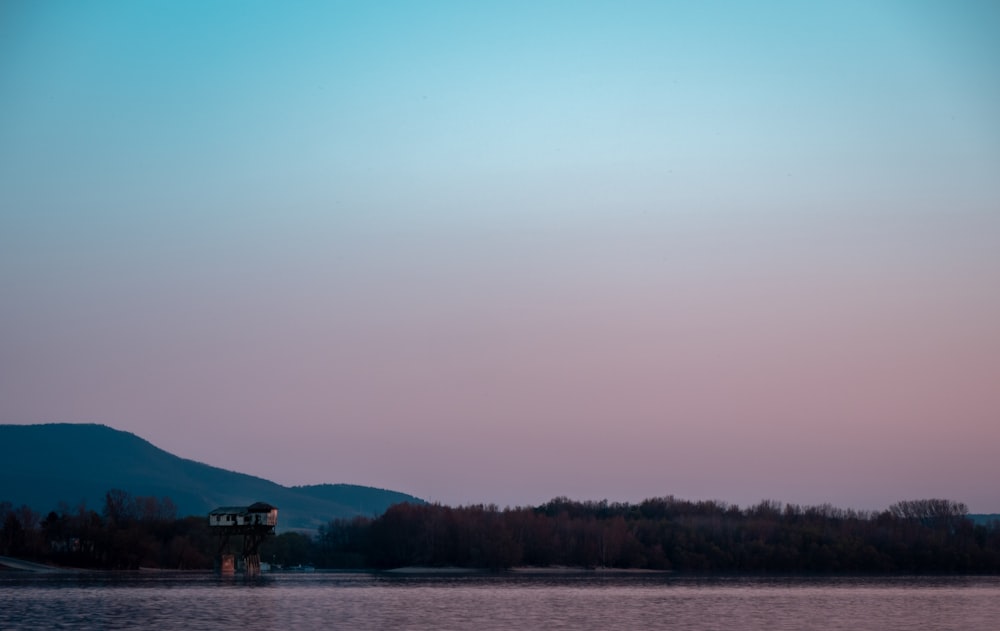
pixel 42 465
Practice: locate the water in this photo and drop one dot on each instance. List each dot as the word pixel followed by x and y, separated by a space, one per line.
pixel 587 601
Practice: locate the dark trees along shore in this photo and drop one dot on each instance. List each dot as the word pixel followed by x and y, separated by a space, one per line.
pixel 657 534
pixel 129 532
pixel 670 534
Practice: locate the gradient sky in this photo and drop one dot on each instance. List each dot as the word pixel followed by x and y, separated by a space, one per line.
pixel 501 252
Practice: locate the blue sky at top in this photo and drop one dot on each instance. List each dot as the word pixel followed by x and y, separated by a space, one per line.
pixel 222 212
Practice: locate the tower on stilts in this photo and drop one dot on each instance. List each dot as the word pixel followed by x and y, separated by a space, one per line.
pixel 253 524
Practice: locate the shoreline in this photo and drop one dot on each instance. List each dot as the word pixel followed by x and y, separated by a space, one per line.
pixel 11 564
pixel 523 570
pixel 565 569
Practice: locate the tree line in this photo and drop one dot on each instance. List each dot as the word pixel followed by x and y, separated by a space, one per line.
pixel 129 532
pixel 669 534
pixel 660 534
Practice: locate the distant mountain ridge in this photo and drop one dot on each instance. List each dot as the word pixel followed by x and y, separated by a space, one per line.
pixel 42 465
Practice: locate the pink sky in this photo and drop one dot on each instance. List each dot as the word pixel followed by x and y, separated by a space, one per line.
pixel 510 251
pixel 817 363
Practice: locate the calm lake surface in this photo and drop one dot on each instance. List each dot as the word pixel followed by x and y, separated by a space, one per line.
pixel 583 601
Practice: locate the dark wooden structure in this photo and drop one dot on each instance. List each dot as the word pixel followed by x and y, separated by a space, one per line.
pixel 253 524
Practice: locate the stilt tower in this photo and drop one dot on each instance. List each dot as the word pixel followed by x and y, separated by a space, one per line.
pixel 253 523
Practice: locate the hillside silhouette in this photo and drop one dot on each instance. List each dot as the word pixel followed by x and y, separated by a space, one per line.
pixel 43 465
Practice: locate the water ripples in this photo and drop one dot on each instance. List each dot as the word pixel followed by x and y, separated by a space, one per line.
pixel 193 602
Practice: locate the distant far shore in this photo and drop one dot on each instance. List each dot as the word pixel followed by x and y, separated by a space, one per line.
pixel 560 569
pixel 529 570
pixel 20 565
pixel 10 564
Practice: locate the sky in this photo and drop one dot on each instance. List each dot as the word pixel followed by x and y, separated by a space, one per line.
pixel 503 252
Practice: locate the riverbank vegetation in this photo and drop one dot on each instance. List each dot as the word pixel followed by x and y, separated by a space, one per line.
pixel 130 532
pixel 670 534
pixel 657 534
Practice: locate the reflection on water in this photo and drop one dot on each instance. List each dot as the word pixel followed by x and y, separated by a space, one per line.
pixel 585 601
